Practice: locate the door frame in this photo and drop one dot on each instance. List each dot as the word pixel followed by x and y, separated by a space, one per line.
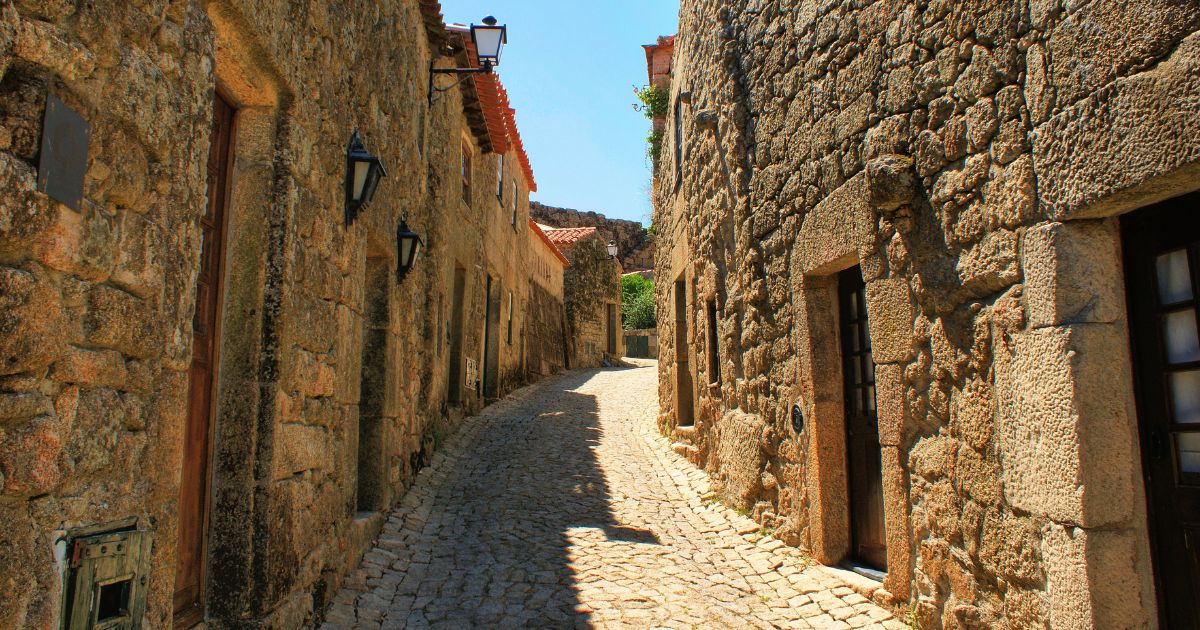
pixel 1139 244
pixel 196 613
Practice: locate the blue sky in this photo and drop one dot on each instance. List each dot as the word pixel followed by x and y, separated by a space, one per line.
pixel 570 68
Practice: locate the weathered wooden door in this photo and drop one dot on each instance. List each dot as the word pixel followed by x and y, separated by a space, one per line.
pixel 863 454
pixel 1162 267
pixel 194 485
pixel 683 371
pixel 612 328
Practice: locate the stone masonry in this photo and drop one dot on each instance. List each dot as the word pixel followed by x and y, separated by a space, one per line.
pixel 333 378
pixel 970 162
pixel 635 246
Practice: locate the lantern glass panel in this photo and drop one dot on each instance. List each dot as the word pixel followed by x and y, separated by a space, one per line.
pixel 361 169
pixel 489 42
pixel 371 181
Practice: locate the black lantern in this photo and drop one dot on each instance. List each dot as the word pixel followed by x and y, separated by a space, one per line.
pixel 489 39
pixel 612 249
pixel 408 245
pixel 363 172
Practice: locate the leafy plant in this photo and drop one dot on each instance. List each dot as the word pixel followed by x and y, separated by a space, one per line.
pixel 637 303
pixel 653 101
pixel 654 141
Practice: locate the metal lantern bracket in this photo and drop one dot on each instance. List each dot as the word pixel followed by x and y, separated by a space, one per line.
pixel 488 59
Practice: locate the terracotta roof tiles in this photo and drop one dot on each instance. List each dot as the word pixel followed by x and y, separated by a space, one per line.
pixel 568 236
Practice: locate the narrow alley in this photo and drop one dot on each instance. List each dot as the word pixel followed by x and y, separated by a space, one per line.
pixel 562 507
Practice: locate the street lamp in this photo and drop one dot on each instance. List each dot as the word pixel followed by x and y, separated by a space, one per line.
pixel 408 245
pixel 612 249
pixel 363 172
pixel 489 39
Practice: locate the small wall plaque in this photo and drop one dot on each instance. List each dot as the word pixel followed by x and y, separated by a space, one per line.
pixel 64 153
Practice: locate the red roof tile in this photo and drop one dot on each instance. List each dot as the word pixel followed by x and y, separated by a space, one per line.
pixel 537 229
pixel 568 236
pixel 497 112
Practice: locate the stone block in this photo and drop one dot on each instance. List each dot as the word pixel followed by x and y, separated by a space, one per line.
pixel 890 317
pixel 23 405
pixel 1092 47
pixel 896 522
pixel 25 214
pixel 29 459
pixel 1073 273
pixel 48 46
pixel 1092 578
pixel 78 243
pixel 119 320
pixel 893 410
pixel 973 413
pixel 739 458
pixel 301 448
pixel 1084 154
pixel 32 324
pixel 1066 436
pixel 833 232
pixel 102 368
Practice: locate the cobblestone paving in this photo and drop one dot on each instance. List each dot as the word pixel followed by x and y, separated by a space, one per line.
pixel 561 507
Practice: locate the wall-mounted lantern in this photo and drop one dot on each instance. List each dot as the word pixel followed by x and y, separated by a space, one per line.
pixel 363 172
pixel 612 249
pixel 489 39
pixel 408 245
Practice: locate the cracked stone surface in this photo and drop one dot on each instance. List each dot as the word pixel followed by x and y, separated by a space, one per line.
pixel 562 507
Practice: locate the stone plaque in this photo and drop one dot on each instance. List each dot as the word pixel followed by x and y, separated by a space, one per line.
pixel 64 153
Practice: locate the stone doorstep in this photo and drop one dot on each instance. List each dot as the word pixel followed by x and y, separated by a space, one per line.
pixel 860 584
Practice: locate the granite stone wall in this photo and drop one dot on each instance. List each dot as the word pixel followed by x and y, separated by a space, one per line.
pixel 970 159
pixel 331 387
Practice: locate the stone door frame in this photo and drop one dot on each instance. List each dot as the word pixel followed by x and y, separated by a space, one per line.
pixel 838 234
pixel 244 405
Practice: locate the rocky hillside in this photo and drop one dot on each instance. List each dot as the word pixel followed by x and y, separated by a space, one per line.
pixel 635 245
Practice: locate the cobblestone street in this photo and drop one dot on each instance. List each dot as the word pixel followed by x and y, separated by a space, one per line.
pixel 562 507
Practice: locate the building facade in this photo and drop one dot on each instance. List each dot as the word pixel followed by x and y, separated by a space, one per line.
pixel 211 377
pixel 924 280
pixel 592 290
pixel 546 315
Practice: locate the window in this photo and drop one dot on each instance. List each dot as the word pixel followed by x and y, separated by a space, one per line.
pixel 714 359
pixel 466 173
pixel 514 205
pixel 500 177
pixel 510 316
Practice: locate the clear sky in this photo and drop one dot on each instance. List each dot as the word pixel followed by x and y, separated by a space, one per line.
pixel 570 68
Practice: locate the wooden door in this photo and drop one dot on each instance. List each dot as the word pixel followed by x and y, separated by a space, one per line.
pixel 863 455
pixel 491 341
pixel 1162 268
pixel 683 370
pixel 194 486
pixel 454 379
pixel 612 329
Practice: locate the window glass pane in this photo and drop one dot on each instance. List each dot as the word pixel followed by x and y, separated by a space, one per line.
pixel 856 370
pixel 870 399
pixel 1179 336
pixel 853 308
pixel 1189 451
pixel 1174 277
pixel 1185 396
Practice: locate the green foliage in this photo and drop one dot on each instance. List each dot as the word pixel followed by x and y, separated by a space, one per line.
pixel 654 142
pixel 637 303
pixel 654 101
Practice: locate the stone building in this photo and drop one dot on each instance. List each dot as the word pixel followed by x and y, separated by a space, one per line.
pixel 635 245
pixel 207 368
pixel 545 310
pixel 592 288
pixel 926 295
